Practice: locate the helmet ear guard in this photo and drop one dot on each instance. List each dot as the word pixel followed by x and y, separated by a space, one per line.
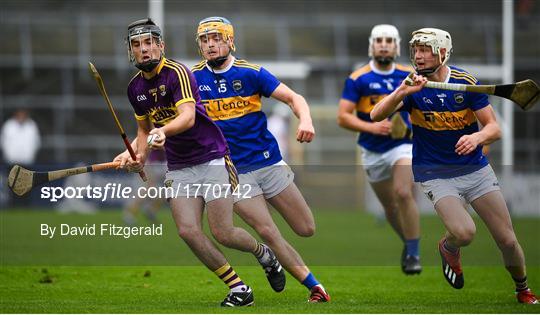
pixel 138 29
pixel 435 38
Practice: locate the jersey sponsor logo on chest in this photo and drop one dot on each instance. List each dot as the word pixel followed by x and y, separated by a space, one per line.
pixel 446 120
pixel 162 115
pixel 232 107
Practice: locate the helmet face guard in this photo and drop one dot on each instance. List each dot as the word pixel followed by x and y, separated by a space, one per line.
pixel 384 31
pixel 436 39
pixel 139 31
pixel 223 28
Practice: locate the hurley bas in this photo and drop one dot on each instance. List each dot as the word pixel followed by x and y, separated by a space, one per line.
pixel 104 229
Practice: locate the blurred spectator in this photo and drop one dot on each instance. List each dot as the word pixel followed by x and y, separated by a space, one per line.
pixel 20 139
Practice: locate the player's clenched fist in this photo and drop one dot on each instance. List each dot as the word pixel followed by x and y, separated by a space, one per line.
pixel 134 166
pixel 122 158
pixel 413 83
pixel 381 128
pixel 305 132
pixel 156 139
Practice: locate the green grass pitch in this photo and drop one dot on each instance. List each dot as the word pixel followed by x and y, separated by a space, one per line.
pixel 355 257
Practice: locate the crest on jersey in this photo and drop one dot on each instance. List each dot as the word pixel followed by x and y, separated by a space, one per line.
pixel 162 90
pixel 458 97
pixel 237 85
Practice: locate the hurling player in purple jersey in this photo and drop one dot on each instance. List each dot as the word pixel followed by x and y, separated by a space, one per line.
pixel 448 160
pixel 166 102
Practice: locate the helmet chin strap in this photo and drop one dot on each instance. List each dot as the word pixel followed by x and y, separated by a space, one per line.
pixel 384 61
pixel 426 72
pixel 218 62
pixel 149 65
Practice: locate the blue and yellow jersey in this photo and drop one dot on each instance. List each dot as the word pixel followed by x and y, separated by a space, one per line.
pixel 367 86
pixel 232 99
pixel 439 119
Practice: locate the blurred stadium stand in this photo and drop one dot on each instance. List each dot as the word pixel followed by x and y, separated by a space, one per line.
pixel 47 45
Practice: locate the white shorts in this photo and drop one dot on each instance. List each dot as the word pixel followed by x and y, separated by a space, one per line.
pixel 467 187
pixel 211 180
pixel 378 166
pixel 268 181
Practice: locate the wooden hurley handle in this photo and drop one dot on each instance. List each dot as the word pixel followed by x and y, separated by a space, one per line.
pixel 54 175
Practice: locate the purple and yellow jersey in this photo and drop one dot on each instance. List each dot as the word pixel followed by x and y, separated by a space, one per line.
pixel 232 98
pixel 367 86
pixel 439 119
pixel 157 99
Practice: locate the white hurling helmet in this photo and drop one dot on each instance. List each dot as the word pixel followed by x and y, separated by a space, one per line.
pixel 386 31
pixel 436 39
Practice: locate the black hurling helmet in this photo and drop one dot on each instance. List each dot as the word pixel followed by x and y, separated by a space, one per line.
pixel 137 30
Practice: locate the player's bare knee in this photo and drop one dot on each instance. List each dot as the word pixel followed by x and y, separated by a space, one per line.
pixel 223 236
pixel 508 243
pixel 305 230
pixel 403 192
pixel 464 235
pixel 269 233
pixel 189 232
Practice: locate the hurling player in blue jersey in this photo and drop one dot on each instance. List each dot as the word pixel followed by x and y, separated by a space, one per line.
pixel 231 90
pixel 448 159
pixel 386 156
pixel 166 102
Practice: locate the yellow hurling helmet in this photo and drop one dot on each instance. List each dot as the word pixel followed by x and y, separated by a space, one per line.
pixel 217 24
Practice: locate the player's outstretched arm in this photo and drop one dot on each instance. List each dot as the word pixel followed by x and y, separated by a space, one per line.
pixel 489 133
pixel 392 102
pixel 300 108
